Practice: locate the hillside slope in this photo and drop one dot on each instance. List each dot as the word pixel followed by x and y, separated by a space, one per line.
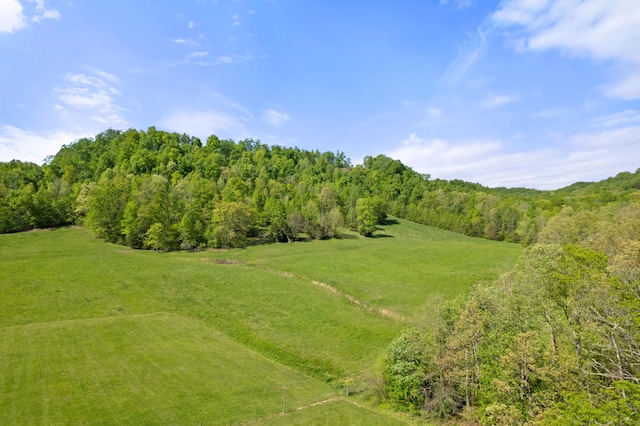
pixel 94 330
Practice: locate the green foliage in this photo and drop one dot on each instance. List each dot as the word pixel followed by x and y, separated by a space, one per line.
pixel 230 224
pixel 553 341
pixel 366 217
pixel 105 205
pixel 156 237
pixel 292 192
pixel 405 370
pixel 618 405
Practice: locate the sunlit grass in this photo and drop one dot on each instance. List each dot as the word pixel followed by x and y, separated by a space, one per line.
pixel 92 332
pixel 144 369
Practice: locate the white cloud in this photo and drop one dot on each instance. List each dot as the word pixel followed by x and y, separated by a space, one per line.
pixel 626 88
pixel 467 55
pixel 434 112
pixel 585 156
pixel 550 113
pixel 275 118
pixel 224 124
pixel 184 41
pixel 95 92
pixel 458 4
pixel 199 58
pixel 24 145
pixel 233 59
pixel 496 100
pixel 437 154
pixel 11 16
pixel 105 76
pixel 223 60
pixel 43 13
pixel 196 55
pixel 628 116
pixel 596 29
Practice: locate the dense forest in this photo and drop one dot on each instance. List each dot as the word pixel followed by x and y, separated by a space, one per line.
pixel 554 341
pixel 167 191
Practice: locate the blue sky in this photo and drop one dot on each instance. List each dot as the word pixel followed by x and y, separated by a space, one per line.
pixel 533 93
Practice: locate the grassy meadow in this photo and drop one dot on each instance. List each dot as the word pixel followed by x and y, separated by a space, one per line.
pixel 96 333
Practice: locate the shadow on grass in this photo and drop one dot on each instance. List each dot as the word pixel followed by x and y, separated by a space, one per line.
pixel 256 241
pixel 346 237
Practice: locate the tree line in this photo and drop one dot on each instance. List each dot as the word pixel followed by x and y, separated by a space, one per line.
pixel 158 190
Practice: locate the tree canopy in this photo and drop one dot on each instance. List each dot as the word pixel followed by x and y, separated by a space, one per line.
pixel 120 184
pixel 554 341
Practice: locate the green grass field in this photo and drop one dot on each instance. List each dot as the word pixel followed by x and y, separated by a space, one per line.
pixel 96 333
pixel 335 412
pixel 140 369
pixel 397 271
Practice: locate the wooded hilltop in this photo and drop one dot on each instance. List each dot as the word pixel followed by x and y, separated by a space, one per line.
pixel 554 341
pixel 167 191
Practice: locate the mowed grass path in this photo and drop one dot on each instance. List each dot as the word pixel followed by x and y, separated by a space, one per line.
pixel 90 329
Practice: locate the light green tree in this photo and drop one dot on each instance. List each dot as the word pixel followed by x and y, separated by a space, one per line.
pixel 231 222
pixel 366 216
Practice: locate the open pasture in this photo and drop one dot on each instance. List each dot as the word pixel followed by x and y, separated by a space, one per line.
pixel 96 333
pixel 397 270
pixel 140 369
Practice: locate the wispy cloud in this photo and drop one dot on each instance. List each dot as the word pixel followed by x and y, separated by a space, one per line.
pixel 600 30
pixel 224 124
pixel 496 100
pixel 457 4
pixel 27 145
pixel 185 41
pixel 550 113
pixel 468 54
pixel 200 58
pixel 226 60
pixel 434 112
pixel 587 156
pixel 275 118
pixel 629 116
pixel 224 117
pixel 627 86
pixel 199 54
pixel 42 12
pixel 94 92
